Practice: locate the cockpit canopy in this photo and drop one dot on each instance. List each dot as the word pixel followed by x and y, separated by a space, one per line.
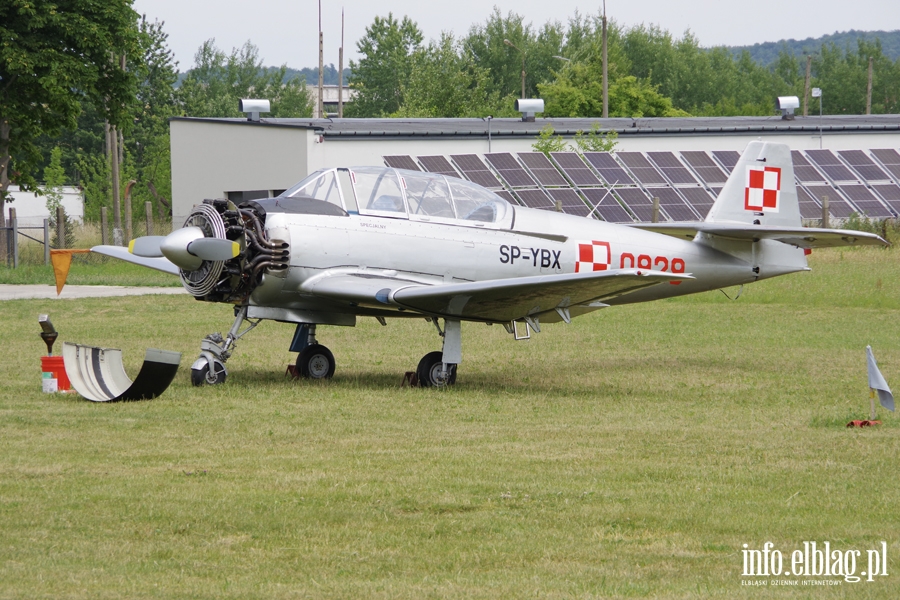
pixel 399 193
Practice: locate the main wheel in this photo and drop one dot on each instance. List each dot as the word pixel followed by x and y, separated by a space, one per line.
pixel 315 362
pixel 204 376
pixel 429 371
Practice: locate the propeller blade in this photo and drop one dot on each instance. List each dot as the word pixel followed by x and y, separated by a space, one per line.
pixel 214 249
pixel 147 246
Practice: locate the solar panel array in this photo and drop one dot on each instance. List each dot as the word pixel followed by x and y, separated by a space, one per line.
pixel 620 187
pixel 831 165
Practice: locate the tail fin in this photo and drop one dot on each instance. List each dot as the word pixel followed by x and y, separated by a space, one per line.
pixel 760 190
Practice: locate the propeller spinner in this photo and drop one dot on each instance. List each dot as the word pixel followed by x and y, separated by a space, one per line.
pixel 187 248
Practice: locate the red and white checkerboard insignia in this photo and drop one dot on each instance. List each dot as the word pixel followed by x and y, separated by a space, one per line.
pixel 593 256
pixel 763 191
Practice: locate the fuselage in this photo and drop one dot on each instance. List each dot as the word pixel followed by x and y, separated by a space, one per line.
pixel 529 242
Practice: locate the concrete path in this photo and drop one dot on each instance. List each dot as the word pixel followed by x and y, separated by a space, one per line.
pixel 48 292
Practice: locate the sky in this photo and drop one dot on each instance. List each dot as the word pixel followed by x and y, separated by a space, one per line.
pixel 286 31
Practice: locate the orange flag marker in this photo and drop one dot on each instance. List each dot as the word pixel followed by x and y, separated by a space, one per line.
pixel 61 261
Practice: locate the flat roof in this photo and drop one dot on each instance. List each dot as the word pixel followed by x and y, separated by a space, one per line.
pixel 625 127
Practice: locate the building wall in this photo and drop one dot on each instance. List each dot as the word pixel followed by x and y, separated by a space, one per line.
pixel 210 159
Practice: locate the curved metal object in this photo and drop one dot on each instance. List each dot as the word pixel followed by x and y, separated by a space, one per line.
pixel 98 375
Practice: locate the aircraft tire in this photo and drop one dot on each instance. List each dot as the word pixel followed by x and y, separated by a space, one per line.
pixel 201 376
pixel 429 371
pixel 316 362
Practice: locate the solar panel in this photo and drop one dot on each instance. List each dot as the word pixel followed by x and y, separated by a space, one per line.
pixel 863 165
pixel 837 206
pixel 809 206
pixel 890 193
pixel 507 196
pixel 704 166
pixel 727 158
pixel 608 168
pixel 510 171
pixel 829 163
pixel 542 169
pixel 401 162
pixel 606 206
pixel 699 199
pixel 890 158
pixel 637 202
pixel 715 191
pixel 671 167
pixel 673 204
pixel 638 164
pixel 570 201
pixel 438 164
pixel 579 173
pixel 475 170
pixel 535 198
pixel 803 169
pixel 866 201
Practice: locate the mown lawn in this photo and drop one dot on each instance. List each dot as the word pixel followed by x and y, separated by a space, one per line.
pixel 629 454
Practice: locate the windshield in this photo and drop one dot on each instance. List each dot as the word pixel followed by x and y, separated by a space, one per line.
pixel 321 185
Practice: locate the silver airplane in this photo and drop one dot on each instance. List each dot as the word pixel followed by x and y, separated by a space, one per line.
pixel 382 242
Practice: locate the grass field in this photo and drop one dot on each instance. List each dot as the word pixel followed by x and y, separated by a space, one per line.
pixel 629 454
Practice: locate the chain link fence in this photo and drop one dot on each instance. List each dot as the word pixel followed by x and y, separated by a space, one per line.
pixel 31 244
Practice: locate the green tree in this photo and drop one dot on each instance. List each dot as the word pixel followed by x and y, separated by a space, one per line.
pixel 385 67
pixel 54 55
pixel 446 83
pixel 218 81
pixel 54 180
pixel 147 148
pixel 486 47
pixel 842 74
pixel 548 141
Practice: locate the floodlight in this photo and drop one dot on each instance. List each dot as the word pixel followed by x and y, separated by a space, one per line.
pixel 528 107
pixel 252 107
pixel 787 104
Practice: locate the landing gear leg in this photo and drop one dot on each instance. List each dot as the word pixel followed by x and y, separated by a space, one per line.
pixel 209 368
pixel 438 369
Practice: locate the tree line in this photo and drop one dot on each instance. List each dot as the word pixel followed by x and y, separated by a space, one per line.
pixel 652 73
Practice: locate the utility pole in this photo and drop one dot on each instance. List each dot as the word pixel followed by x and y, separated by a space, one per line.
pixel 321 103
pixel 806 86
pixel 605 68
pixel 341 71
pixel 869 90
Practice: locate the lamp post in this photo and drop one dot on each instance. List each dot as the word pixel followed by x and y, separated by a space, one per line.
pixel 817 93
pixel 522 52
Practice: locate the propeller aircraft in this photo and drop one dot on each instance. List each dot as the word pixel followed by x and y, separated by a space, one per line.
pixel 387 243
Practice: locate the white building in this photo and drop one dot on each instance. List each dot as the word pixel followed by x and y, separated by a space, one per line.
pixel 31 208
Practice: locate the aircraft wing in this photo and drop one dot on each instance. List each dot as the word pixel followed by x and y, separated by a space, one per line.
pixel 160 264
pixel 802 237
pixel 497 300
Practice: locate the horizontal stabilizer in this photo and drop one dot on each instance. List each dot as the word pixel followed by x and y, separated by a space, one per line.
pixel 802 237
